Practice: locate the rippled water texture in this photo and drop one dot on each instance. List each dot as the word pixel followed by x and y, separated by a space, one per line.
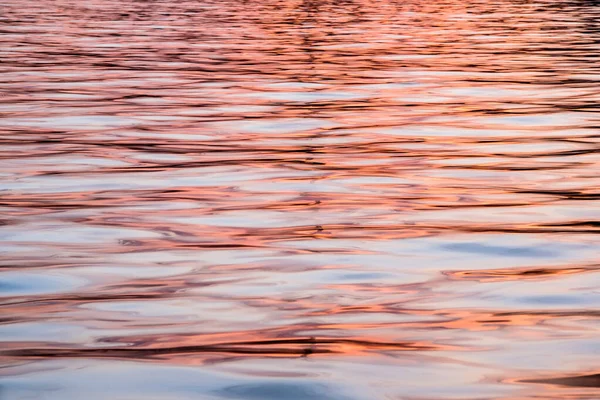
pixel 299 199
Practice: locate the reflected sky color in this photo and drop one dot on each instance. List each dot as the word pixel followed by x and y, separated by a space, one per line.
pixel 308 199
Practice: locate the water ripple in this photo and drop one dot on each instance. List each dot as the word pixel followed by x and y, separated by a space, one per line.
pixel 309 199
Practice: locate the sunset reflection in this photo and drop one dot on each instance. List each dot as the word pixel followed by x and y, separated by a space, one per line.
pixel 303 199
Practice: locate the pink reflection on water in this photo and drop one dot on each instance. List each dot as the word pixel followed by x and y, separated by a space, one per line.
pixel 374 199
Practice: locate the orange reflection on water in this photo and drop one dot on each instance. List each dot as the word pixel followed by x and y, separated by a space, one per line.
pixel 299 199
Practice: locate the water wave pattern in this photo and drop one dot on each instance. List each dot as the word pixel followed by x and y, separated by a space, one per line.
pixel 299 199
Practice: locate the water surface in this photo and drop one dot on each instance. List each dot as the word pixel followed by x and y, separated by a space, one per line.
pixel 299 199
